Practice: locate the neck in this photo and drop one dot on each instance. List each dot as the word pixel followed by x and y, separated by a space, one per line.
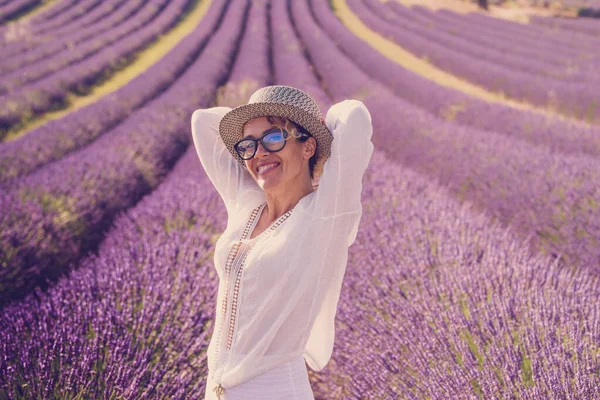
pixel 281 200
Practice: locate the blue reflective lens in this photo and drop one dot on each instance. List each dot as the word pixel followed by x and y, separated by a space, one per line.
pixel 274 139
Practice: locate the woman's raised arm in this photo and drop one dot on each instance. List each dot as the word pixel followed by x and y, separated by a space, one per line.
pixel 340 184
pixel 229 177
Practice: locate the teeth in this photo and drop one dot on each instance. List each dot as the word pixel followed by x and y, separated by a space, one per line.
pixel 267 167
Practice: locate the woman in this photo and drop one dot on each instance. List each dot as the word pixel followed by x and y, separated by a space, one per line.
pixel 283 255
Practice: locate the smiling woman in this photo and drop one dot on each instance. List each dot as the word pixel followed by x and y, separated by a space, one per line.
pixel 282 258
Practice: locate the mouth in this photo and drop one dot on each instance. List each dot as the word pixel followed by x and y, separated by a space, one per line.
pixel 266 168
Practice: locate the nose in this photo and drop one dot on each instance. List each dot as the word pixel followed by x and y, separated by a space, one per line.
pixel 260 150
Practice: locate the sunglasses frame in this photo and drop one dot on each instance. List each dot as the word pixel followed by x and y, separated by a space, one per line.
pixel 301 135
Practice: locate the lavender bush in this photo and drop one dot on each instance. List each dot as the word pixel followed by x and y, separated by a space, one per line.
pixel 55 11
pixel 290 66
pixel 252 69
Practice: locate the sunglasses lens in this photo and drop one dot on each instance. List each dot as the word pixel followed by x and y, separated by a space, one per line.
pixel 245 149
pixel 274 141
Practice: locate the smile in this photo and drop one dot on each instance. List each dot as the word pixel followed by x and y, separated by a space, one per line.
pixel 263 169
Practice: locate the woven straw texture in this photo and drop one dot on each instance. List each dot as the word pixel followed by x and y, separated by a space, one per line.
pixel 277 101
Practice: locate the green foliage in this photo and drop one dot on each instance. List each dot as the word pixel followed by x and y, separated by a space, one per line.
pixel 526 369
pixel 476 388
pixel 466 335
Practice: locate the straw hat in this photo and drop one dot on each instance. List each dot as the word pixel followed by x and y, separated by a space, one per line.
pixel 278 101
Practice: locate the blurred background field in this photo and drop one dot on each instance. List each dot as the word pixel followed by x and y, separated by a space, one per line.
pixel 475 272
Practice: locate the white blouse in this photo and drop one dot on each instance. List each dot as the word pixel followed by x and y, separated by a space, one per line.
pixel 278 292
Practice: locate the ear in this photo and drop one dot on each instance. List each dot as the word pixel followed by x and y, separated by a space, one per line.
pixel 310 148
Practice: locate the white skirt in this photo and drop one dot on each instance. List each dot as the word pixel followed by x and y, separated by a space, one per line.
pixel 288 381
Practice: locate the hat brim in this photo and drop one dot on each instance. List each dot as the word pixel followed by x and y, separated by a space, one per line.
pixel 231 127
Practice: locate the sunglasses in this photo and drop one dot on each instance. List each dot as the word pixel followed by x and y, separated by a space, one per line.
pixel 272 140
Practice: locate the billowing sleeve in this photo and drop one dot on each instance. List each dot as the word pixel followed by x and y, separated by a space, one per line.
pixel 340 185
pixel 337 209
pixel 229 177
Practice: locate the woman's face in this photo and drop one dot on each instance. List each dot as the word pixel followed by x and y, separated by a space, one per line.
pixel 281 169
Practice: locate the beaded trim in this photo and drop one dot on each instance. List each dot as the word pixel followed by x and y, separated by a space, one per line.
pixel 236 259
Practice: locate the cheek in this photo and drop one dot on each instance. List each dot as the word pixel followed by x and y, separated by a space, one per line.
pixel 290 156
pixel 295 159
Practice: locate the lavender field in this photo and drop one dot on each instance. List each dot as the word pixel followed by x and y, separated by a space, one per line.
pixel 475 273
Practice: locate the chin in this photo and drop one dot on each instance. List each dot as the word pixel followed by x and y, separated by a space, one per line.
pixel 267 184
pixel 269 181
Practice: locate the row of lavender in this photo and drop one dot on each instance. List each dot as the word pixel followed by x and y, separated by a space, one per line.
pixel 52 216
pixel 479 64
pixel 455 321
pixel 40 95
pixel 68 15
pixel 22 29
pixel 83 11
pixel 56 138
pixel 73 37
pixel 16 8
